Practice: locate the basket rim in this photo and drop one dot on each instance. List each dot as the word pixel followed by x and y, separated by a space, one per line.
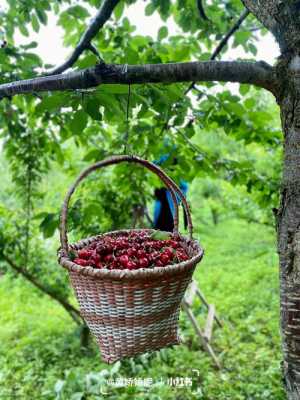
pixel 126 274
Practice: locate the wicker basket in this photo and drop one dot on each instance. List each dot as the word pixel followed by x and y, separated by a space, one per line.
pixel 131 312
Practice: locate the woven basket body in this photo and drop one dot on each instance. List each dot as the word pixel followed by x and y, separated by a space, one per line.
pixel 131 312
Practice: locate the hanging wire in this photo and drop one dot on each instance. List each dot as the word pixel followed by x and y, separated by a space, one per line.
pixel 127 120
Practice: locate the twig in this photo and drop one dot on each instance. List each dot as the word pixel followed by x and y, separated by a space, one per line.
pixel 201 10
pixel 223 43
pixel 191 144
pixel 96 24
pixel 228 35
pixel 94 50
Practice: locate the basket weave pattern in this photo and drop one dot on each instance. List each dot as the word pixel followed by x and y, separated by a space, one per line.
pixel 132 312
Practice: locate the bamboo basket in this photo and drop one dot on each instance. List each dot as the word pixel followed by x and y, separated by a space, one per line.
pixel 130 311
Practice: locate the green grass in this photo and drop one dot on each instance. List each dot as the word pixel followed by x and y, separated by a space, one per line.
pixel 40 354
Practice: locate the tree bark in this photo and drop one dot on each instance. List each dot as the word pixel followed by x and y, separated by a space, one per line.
pixel 288 228
pixel 257 73
pixel 281 17
pixel 104 13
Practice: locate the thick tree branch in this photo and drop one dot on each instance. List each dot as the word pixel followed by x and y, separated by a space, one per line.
pixel 256 73
pixel 74 313
pixel 97 23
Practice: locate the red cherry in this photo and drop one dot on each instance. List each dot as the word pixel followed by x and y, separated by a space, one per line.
pixel 143 262
pixel 141 253
pixel 123 243
pixel 131 265
pixel 132 252
pixel 173 244
pixel 103 249
pixel 96 258
pixel 169 251
pixel 81 262
pixel 154 255
pixel 181 255
pixel 157 245
pixel 115 264
pixel 158 263
pixel 164 258
pixel 85 254
pixel 108 258
pixel 124 260
pixel 99 265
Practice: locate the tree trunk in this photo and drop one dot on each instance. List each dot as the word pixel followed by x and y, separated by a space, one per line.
pixel 288 224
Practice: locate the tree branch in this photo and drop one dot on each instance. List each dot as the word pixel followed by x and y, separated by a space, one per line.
pixel 74 313
pixel 201 10
pixel 256 73
pixel 228 35
pixel 223 43
pixel 94 50
pixel 97 23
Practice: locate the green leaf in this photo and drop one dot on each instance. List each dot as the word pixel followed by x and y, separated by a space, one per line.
pixel 149 10
pixel 72 254
pixel 114 89
pixel 91 107
pixel 162 33
pixel 241 37
pixel 252 48
pixel 42 16
pixel 92 155
pixel 161 235
pixel 250 103
pixel 118 11
pixel 77 396
pixel 33 59
pixel 78 122
pixel 87 61
pixel 23 30
pixel 139 41
pixel 49 225
pixel 35 23
pixel 78 12
pixel 116 367
pixel 51 103
pixel 31 45
pixel 244 89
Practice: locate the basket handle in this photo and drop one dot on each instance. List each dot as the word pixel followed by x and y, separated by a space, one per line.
pixel 170 184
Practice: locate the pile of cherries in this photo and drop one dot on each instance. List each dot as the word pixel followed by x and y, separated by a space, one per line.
pixel 137 249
